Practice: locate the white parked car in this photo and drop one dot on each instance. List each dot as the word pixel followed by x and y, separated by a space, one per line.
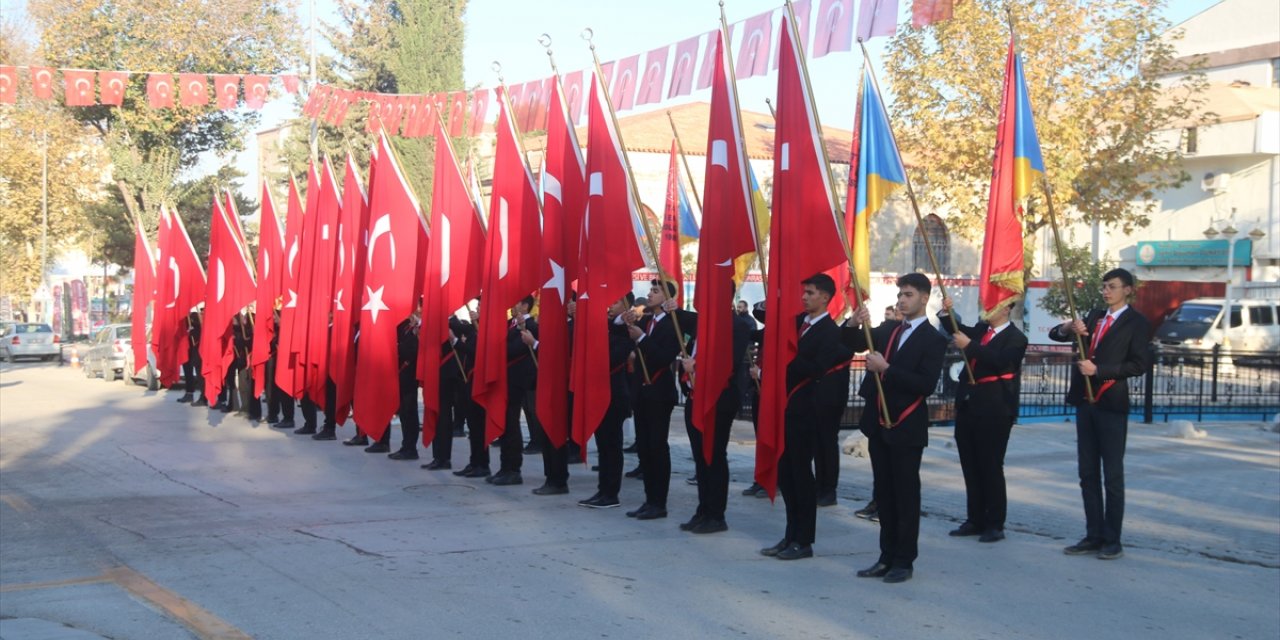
pixel 29 340
pixel 1201 323
pixel 105 356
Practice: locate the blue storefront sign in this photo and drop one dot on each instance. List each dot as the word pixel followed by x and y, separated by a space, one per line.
pixel 1193 253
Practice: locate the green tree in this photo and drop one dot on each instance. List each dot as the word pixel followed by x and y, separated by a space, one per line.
pixel 1092 69
pixel 1087 280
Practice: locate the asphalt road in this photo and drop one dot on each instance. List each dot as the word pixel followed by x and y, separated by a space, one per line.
pixel 126 515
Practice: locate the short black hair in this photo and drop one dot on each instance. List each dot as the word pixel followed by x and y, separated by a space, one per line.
pixel 822 282
pixel 917 281
pixel 1122 275
pixel 527 301
pixel 666 286
pixel 630 298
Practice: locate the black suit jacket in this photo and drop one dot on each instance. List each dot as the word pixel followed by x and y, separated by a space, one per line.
pixel 407 354
pixel 660 348
pixel 1122 354
pixel 620 346
pixel 1000 357
pixel 814 383
pixel 522 373
pixel 912 375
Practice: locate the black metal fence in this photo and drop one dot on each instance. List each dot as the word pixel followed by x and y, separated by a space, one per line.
pixel 1213 383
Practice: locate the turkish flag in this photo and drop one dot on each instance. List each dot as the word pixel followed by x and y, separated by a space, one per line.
pixel 728 232
pixel 479 108
pixel 8 84
pixel 623 89
pixel 42 82
pixel 804 239
pixel 833 27
pixel 256 91
pixel 348 278
pixel 339 103
pixel 290 82
pixel 227 88
pixel 193 89
pixel 318 295
pixel 709 58
pixel 457 112
pixel 78 88
pixel 411 107
pixel 534 115
pixel 801 9
pixel 270 285
pixel 669 241
pixel 144 291
pixel 300 295
pixel 315 105
pixel 160 90
pixel 229 289
pixel 655 72
pixel 112 85
pixel 512 267
pixel 875 18
pixel 753 55
pixel 682 69
pixel 395 220
pixel 454 269
pixel 291 268
pixel 180 288
pixel 574 92
pixel 610 252
pixel 564 200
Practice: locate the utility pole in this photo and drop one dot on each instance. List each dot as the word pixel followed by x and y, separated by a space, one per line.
pixel 44 213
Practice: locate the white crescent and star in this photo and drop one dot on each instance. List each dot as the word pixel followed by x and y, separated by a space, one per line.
pixel 375 303
pixel 504 222
pixel 557 279
pixel 382 226
pixel 444 233
pixel 222 280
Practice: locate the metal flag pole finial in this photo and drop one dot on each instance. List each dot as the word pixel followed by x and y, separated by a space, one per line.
pixel 587 34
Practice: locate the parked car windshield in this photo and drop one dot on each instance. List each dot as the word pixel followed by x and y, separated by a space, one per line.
pixel 123 333
pixel 1195 313
pixel 32 328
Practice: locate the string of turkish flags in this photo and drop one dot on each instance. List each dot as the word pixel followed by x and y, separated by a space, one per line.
pixel 191 89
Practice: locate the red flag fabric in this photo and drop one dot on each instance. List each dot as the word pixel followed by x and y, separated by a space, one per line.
pixel 833 28
pixel 227 88
pixel 193 89
pixel 389 297
pixel 316 100
pixel 803 240
pixel 564 200
pixel 709 59
pixel 682 67
pixel 42 82
pixel 610 252
pixel 512 267
pixel 728 231
pixel 753 56
pixel 256 91
pixel 623 89
pixel 348 278
pixel 802 10
pixel 339 103
pixel 290 82
pixel 302 313
pixel 8 84
pixel 876 18
pixel 455 266
pixel 78 88
pixel 290 280
pixel 270 285
pixel 669 244
pixel 318 295
pixel 457 112
pixel 163 329
pixel 479 107
pixel 655 71
pixel 183 287
pixel 927 12
pixel 574 93
pixel 411 107
pixel 160 90
pixel 144 290
pixel 229 289
pixel 111 86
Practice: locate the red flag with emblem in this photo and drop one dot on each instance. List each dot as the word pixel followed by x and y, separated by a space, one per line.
pixel 804 239
pixel 610 252
pixel 286 377
pixel 111 86
pixel 511 266
pixel 229 289
pixel 302 312
pixel 78 88
pixel 348 276
pixel 183 281
pixel 318 295
pixel 42 82
pixel 270 286
pixel 227 88
pixel 144 290
pixel 455 266
pixel 256 91
pixel 193 89
pixel 728 231
pixel 669 241
pixel 564 199
pixel 389 297
pixel 8 84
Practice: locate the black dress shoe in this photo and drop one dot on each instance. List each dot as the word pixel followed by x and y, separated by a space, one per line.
pixel 202 402
pixel 600 502
pixel 357 441
pixel 325 434
pixel 752 490
pixel 693 522
pixel 965 529
pixel 226 408
pixel 477 472
pixel 868 512
pixel 795 551
pixel 508 479
pixel 186 397
pixel 652 513
pixel 991 535
pixel 532 449
pixel 898 574
pixel 305 430
pixel 465 470
pixel 635 473
pixel 403 455
pixel 1086 546
pixel 692 480
pixel 272 419
pixel 284 424
pixel 710 525
pixel 877 570
pixel 775 549
pixel 549 489
pixel 437 465
pixel 1112 551
pixel 635 512
pixel 631 448
pixel 377 447
pixel 827 499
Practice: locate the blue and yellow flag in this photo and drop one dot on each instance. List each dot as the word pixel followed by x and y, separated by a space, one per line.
pixel 688 223
pixel 879 172
pixel 760 208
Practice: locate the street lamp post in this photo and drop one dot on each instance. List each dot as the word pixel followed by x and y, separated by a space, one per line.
pixel 1229 234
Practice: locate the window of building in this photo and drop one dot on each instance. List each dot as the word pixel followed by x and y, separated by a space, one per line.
pixel 1275 72
pixel 939 241
pixel 1192 142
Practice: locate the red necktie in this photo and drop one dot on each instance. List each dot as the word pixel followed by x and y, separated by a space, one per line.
pixel 804 328
pixel 1097 337
pixel 991 333
pixel 893 341
pixel 652 321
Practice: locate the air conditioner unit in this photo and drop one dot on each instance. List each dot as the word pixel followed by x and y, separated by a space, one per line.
pixel 1213 182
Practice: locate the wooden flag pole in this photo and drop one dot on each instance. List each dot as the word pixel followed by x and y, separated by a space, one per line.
pixel 1066 282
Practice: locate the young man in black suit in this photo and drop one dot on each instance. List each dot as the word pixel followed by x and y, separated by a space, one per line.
pixel 609 433
pixel 908 356
pixel 522 377
pixel 817 384
pixel 1116 345
pixel 985 412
